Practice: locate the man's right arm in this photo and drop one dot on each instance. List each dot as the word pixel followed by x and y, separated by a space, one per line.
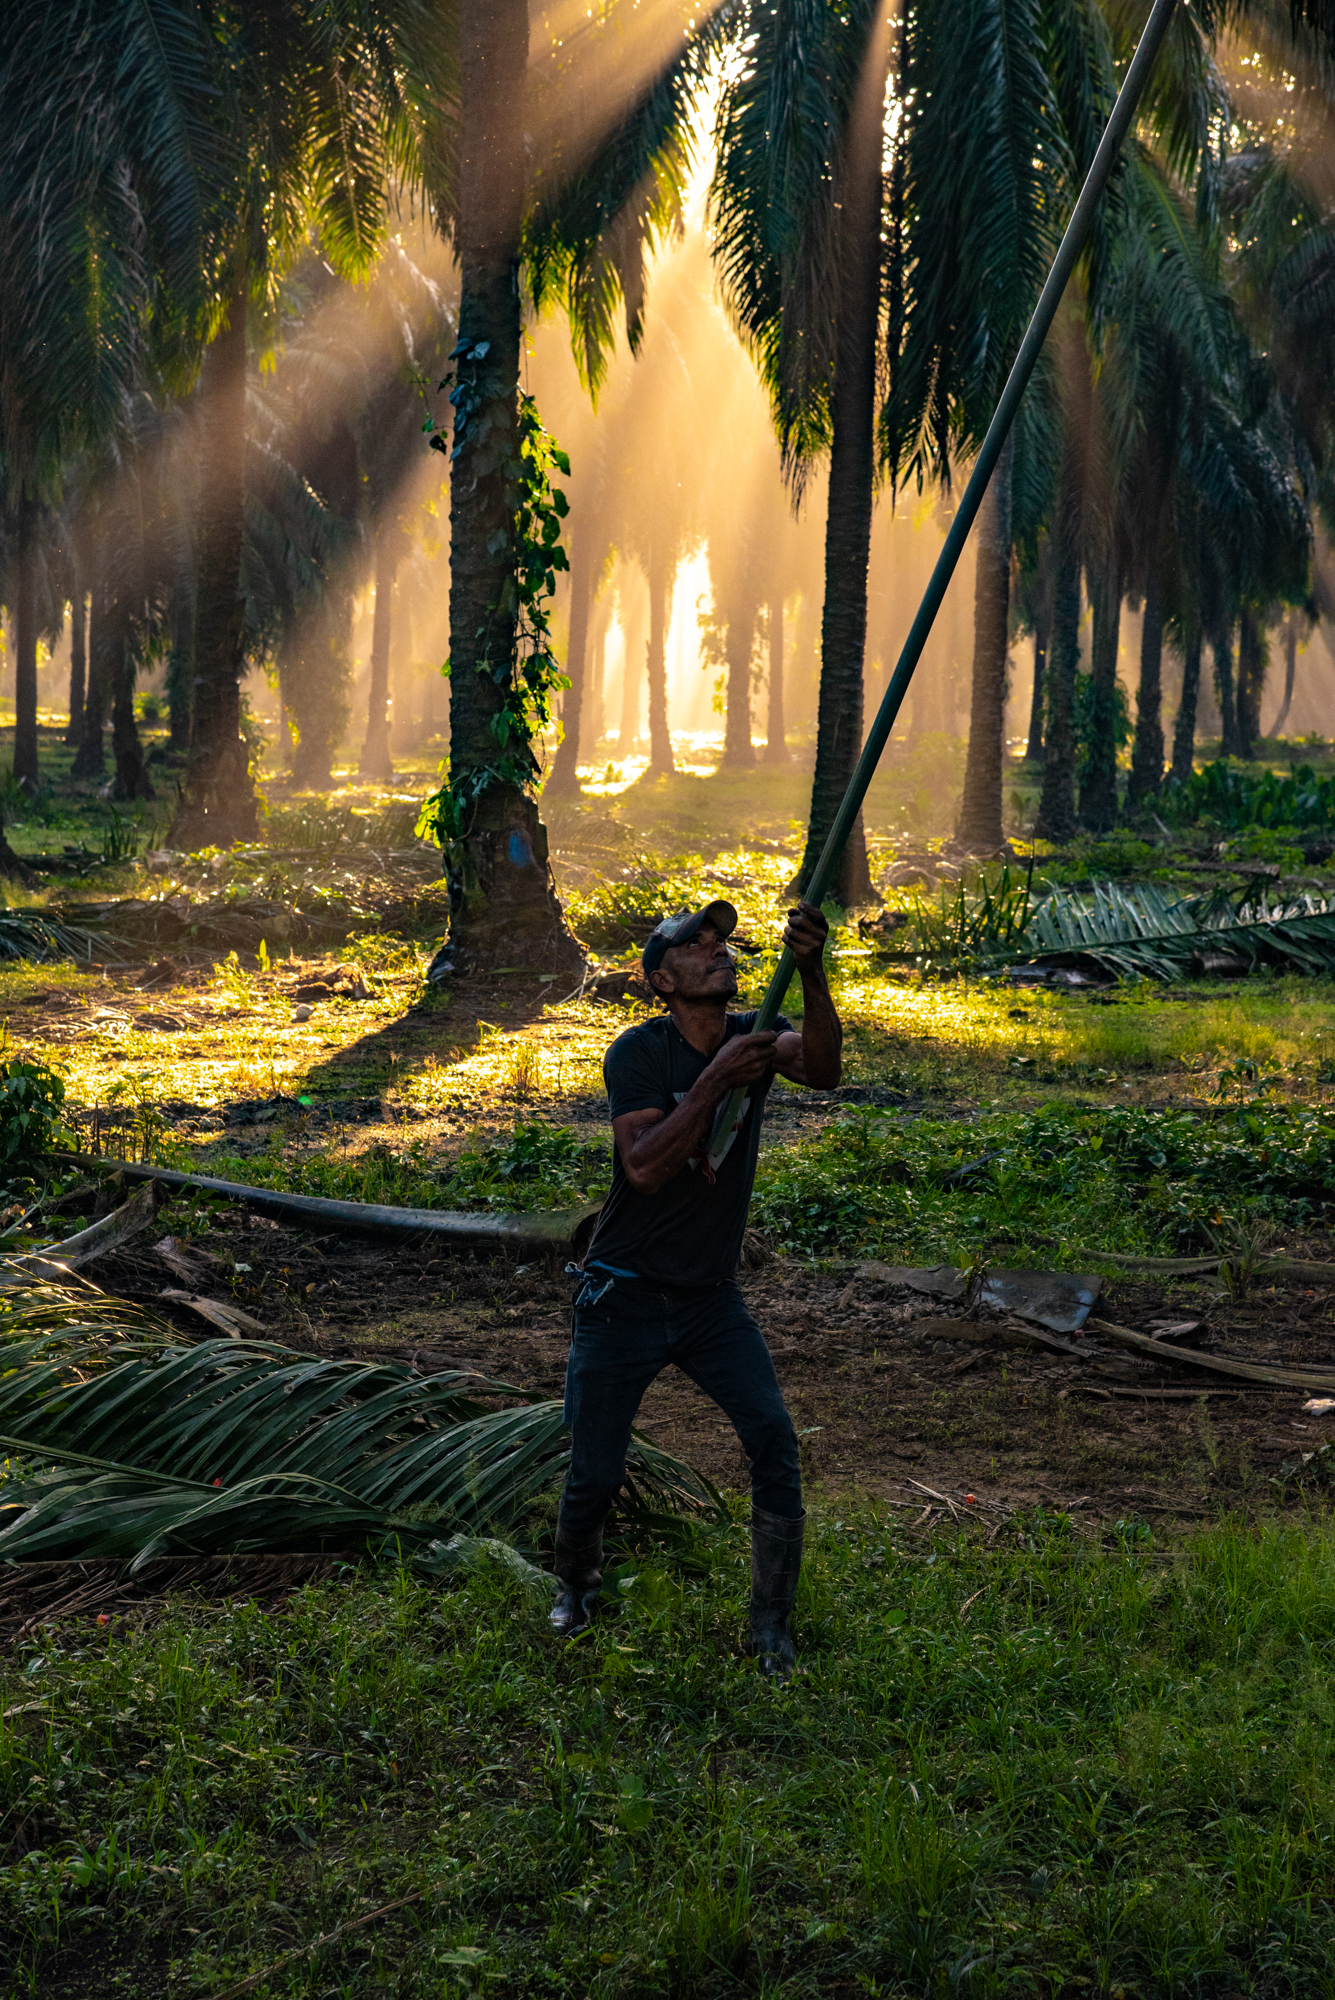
pixel 655 1145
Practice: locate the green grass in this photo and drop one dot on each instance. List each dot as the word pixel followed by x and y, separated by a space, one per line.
pixel 1035 1767
pixel 1059 1183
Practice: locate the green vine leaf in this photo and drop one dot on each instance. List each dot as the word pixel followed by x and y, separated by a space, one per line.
pixel 532 677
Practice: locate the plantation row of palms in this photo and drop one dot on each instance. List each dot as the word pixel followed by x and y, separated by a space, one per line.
pixel 184 193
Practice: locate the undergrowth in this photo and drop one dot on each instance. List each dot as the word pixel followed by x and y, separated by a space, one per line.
pixel 1029 1766
pixel 1059 1180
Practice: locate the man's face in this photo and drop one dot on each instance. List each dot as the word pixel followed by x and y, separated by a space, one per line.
pixel 699 970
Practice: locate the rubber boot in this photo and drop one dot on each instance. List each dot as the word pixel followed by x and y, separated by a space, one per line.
pixel 579 1573
pixel 776 1564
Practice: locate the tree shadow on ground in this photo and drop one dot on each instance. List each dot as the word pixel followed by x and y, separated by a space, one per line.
pixel 449 1025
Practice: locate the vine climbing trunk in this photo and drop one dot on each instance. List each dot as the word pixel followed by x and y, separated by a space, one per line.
pixel 503 904
pixel 852 476
pixel 217 803
pixel 980 828
pixel 1147 750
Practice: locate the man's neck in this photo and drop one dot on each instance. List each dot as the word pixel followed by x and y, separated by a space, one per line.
pixel 702 1023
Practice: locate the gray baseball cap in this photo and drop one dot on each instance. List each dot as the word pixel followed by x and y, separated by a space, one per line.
pixel 682 927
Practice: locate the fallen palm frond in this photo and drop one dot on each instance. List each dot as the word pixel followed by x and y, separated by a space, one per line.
pixel 1143 933
pixel 1136 933
pixel 234 1447
pixel 28 934
pixel 74 1307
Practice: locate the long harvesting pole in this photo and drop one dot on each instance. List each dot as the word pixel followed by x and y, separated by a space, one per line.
pixel 1072 243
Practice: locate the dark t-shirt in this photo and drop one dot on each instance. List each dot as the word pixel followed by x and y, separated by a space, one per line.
pixel 690 1232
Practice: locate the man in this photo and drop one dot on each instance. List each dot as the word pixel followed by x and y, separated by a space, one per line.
pixel 659 1282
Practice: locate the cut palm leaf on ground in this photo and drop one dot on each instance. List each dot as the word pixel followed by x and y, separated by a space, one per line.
pixel 1143 933
pixel 27 934
pixel 233 1447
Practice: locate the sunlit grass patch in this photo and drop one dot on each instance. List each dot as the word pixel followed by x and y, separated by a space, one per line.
pixel 544 1060
pixel 1283 1025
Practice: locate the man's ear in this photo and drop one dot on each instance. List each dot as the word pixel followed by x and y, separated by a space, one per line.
pixel 661 991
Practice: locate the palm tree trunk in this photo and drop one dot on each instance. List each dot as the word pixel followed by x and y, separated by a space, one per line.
pixel 1184 729
pixel 89 758
pixel 78 649
pixel 25 644
pixel 132 780
pixel 1147 751
pixel 1251 681
pixel 218 804
pixel 315 668
pixel 1056 811
pixel 660 579
pixel 1098 791
pixel 776 750
pixel 1042 633
pixel 563 778
pixel 375 752
pixel 1290 673
pixel 738 750
pixel 980 828
pixel 852 472
pixel 404 734
pixel 181 659
pixel 503 903
pixel 628 734
pixel 1222 647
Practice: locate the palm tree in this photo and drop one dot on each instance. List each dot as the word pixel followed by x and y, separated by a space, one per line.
pixel 229 137
pixel 796 206
pixel 577 220
pixel 971 246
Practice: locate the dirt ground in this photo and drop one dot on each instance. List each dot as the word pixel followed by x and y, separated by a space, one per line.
pixel 882 1407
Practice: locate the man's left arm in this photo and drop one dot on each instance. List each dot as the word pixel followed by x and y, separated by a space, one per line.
pixel 812 1057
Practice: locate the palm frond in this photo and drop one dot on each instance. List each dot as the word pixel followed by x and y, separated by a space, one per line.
pixel 1143 933
pixel 597 208
pixel 781 138
pixel 232 1446
pixel 28 934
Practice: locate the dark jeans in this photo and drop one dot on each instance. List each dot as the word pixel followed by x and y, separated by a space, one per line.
pixel 625 1332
